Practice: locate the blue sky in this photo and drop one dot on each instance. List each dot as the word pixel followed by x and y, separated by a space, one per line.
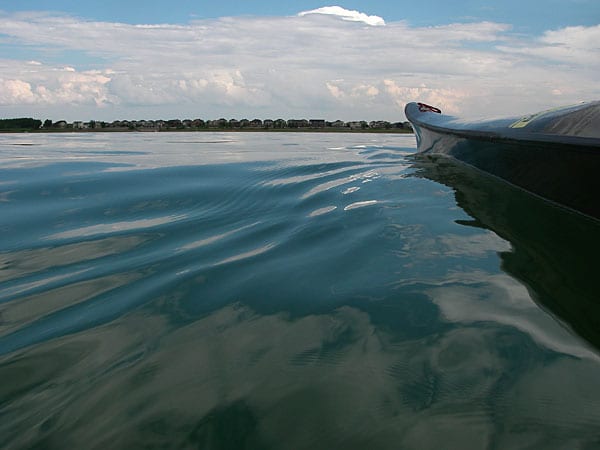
pixel 526 16
pixel 359 60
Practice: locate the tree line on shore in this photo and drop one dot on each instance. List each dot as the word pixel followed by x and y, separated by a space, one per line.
pixel 20 124
pixel 27 124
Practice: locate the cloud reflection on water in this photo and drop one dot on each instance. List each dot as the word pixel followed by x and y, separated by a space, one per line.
pixel 343 376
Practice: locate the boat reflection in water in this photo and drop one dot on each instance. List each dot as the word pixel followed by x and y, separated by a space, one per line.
pixel 554 250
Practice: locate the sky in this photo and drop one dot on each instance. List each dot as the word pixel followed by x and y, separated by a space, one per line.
pixel 348 60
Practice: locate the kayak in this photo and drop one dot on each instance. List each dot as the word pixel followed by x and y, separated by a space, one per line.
pixel 554 154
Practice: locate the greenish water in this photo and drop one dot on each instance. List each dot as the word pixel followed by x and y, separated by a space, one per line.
pixel 275 291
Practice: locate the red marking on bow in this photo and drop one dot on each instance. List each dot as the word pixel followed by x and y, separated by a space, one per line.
pixel 424 108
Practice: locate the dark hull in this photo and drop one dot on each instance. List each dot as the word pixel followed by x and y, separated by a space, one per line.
pixel 564 170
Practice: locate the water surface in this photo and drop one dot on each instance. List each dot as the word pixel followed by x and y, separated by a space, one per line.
pixel 287 290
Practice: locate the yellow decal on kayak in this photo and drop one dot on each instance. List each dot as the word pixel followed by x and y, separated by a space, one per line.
pixel 524 121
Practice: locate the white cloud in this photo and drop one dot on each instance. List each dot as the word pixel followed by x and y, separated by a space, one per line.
pixel 570 45
pixel 46 85
pixel 345 14
pixel 334 90
pixel 365 90
pixel 447 99
pixel 574 37
pixel 15 91
pixel 292 67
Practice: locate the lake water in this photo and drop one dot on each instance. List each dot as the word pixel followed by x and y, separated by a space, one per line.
pixel 287 291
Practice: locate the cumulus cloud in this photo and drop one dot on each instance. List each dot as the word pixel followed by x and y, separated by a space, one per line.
pixel 296 66
pixel 446 99
pixel 345 14
pixel 15 91
pixel 34 83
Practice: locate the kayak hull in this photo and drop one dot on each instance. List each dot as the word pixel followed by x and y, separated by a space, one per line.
pixel 564 170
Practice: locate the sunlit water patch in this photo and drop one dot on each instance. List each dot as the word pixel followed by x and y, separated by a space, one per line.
pixel 286 290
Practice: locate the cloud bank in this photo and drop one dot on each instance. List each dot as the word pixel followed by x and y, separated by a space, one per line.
pixel 329 62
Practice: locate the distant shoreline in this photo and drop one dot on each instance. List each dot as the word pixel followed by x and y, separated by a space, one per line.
pixel 28 124
pixel 214 130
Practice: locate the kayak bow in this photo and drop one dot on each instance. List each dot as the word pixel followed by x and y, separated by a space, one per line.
pixel 554 154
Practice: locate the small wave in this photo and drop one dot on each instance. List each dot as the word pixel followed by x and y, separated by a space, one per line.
pixel 215 238
pixel 368 175
pixel 115 227
pixel 113 152
pixel 321 211
pixel 222 141
pixel 245 255
pixel 360 204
